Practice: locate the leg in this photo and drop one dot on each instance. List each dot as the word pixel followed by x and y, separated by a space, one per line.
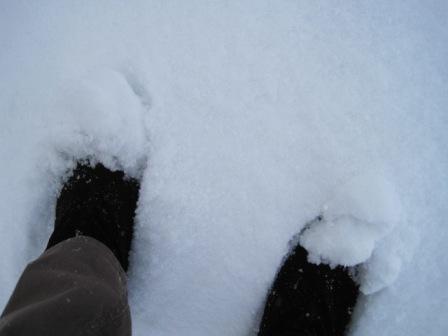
pixel 308 299
pixel 76 287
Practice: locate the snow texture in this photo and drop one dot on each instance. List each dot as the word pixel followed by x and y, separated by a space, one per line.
pixel 245 121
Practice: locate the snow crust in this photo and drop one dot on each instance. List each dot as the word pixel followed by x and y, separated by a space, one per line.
pixel 245 121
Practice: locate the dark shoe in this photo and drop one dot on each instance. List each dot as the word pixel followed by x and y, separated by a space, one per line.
pixel 308 299
pixel 99 203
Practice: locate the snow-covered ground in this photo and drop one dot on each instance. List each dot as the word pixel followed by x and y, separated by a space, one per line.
pixel 245 120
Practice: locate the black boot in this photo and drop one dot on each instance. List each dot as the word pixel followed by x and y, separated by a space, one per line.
pixel 99 203
pixel 308 299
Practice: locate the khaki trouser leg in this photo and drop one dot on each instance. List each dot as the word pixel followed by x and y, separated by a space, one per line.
pixel 76 287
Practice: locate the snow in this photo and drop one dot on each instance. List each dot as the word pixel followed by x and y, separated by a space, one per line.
pixel 365 212
pixel 245 121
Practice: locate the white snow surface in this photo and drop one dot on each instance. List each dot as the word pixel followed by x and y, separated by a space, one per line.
pixel 245 121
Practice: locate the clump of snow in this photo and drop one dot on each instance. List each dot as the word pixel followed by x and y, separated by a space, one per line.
pixel 104 120
pixel 359 219
pixel 343 241
pixel 361 213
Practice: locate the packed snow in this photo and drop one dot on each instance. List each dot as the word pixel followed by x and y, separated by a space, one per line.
pixel 252 125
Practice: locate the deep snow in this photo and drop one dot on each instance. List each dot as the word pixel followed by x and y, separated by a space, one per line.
pixel 245 121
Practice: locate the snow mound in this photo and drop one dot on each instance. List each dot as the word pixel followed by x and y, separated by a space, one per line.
pixel 104 121
pixel 345 241
pixel 361 215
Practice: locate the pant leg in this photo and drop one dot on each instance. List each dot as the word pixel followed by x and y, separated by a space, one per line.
pixel 76 287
